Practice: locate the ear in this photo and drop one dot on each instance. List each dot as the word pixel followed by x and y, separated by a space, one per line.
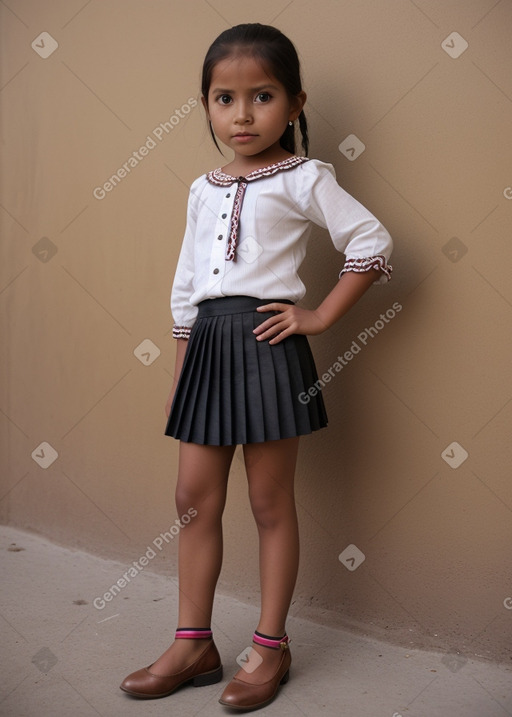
pixel 205 105
pixel 296 105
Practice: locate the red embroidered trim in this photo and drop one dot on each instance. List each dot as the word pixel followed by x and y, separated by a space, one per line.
pixel 235 221
pixel 181 332
pixel 367 263
pixel 221 179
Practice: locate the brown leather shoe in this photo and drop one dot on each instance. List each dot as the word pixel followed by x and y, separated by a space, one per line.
pixel 241 695
pixel 206 670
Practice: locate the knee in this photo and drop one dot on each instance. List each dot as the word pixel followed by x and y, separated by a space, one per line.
pixel 207 503
pixel 270 509
pixel 186 499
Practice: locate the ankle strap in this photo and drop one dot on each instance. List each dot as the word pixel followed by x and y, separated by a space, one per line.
pixel 275 643
pixel 193 633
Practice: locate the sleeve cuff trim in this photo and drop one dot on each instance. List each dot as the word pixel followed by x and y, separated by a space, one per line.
pixel 366 264
pixel 181 332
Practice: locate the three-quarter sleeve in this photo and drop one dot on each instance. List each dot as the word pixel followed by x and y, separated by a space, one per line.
pixel 353 229
pixel 183 312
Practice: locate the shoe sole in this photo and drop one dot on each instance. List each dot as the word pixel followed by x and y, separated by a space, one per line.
pixel 248 708
pixel 202 680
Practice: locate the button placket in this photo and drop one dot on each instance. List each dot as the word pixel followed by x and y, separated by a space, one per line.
pixel 221 232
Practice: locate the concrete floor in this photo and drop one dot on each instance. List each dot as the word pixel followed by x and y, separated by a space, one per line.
pixel 63 656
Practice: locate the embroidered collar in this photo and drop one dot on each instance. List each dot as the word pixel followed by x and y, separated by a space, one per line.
pixel 221 179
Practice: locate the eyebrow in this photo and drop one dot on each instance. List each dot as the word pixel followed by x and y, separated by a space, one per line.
pixel 251 89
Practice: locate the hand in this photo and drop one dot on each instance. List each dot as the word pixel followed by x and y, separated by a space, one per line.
pixel 290 320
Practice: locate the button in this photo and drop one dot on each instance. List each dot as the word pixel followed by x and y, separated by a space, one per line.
pixel 228 195
pixel 216 271
pixel 221 236
pixel 224 216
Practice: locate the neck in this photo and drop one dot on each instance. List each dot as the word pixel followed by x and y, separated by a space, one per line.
pixel 242 165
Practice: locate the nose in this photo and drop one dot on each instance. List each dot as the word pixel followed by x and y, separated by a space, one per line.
pixel 243 113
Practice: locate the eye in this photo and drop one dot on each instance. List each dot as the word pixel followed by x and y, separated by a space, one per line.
pixel 224 99
pixel 263 97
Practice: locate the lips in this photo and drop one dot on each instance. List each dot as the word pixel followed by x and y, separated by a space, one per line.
pixel 244 138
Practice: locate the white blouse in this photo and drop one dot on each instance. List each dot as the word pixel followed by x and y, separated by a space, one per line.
pixel 248 235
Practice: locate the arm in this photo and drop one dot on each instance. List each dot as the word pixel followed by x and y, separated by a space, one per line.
pixel 181 347
pixel 183 312
pixel 294 320
pixel 355 232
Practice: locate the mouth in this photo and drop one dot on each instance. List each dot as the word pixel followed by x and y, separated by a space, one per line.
pixel 244 136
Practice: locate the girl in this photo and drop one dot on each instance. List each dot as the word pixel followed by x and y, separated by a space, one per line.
pixel 243 357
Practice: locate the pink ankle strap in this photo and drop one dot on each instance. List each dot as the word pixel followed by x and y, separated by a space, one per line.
pixel 271 642
pixel 192 634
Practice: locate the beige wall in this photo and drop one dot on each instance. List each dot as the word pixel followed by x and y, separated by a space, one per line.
pixel 84 281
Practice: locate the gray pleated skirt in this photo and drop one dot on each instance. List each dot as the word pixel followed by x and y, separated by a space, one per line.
pixel 234 389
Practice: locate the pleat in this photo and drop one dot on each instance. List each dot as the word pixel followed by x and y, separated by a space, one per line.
pixel 234 389
pixel 284 410
pixel 269 386
pixel 255 381
pixel 225 409
pixel 303 378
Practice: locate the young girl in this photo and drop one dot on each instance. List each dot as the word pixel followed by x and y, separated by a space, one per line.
pixel 243 357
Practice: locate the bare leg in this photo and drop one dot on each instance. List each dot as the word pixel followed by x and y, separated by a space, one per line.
pixel 201 493
pixel 270 472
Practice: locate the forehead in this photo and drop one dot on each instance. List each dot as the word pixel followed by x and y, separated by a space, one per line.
pixel 241 71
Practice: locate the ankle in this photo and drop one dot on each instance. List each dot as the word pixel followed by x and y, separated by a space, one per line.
pixel 193 633
pixel 272 642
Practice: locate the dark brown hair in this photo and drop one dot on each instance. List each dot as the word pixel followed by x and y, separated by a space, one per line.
pixel 280 58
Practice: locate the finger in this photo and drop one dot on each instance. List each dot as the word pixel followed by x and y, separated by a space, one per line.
pixel 275 306
pixel 269 334
pixel 267 324
pixel 276 329
pixel 280 336
pixel 271 330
